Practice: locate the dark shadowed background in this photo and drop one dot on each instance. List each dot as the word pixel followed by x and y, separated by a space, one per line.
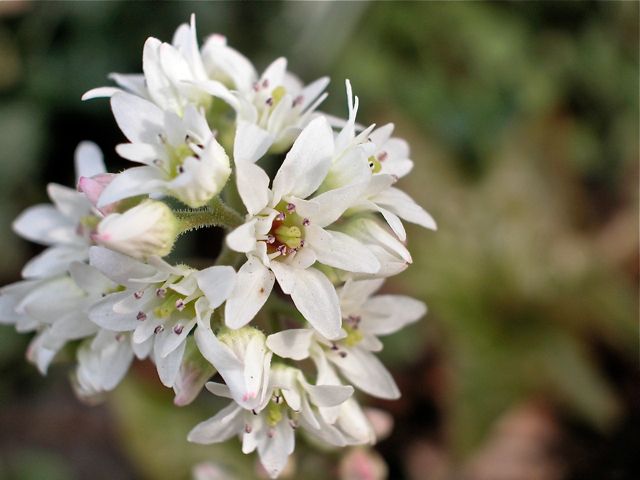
pixel 523 122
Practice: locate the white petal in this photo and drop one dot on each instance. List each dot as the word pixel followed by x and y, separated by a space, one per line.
pixel 251 142
pixel 216 283
pixel 329 395
pixel 254 282
pixel 224 425
pixel 103 314
pixel 169 366
pixel 100 92
pixel 341 251
pixel 243 238
pixel 138 152
pixel 403 205
pixel 44 224
pixel 314 296
pixel 119 268
pixel 386 314
pixel 354 294
pixel 69 201
pixel 53 261
pixel 132 182
pixel 307 163
pixel 88 160
pixel 253 186
pixel 274 452
pixel 90 279
pixel 292 344
pixel 139 119
pixel 333 203
pixel 366 372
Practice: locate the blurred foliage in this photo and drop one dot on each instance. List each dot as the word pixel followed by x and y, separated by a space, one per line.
pixel 523 121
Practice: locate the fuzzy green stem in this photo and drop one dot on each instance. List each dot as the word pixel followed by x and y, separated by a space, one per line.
pixel 217 214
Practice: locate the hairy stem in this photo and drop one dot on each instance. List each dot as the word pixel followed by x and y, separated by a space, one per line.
pixel 217 214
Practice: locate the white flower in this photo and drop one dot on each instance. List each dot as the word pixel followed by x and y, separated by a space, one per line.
pixel 365 317
pixel 284 234
pixel 279 104
pixel 66 226
pixel 226 65
pixel 241 358
pixel 57 308
pixel 174 76
pixel 181 156
pixel 148 229
pixel 160 301
pixel 103 361
pixel 386 162
pixel 270 429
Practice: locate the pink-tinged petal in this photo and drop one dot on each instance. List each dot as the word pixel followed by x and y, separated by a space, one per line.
pixel 88 160
pixel 292 344
pixel 307 163
pixel 93 187
pixel 253 285
pixel 139 119
pixel 340 250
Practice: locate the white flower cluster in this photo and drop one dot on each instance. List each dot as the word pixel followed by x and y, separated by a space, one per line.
pixel 327 227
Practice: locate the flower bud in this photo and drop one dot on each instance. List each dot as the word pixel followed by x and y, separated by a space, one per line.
pixel 193 374
pixel 145 230
pixel 92 187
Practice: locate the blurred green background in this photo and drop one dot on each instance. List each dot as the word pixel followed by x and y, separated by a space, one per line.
pixel 523 122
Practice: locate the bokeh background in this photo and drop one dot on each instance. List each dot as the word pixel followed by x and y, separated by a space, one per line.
pixel 523 122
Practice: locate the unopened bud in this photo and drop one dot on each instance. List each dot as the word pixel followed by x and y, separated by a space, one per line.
pixel 149 229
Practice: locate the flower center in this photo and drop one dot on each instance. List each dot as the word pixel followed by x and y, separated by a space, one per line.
pixel 287 230
pixel 172 302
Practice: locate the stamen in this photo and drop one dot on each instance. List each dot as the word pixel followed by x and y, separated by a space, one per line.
pixel 178 329
pixel 280 217
pixel 298 100
pixel 138 295
pixel 247 428
pixel 269 101
pixel 181 168
pixel 161 292
pixel 342 354
pixel 158 329
pixel 141 316
pixel 306 222
pixel 270 239
pixel 180 304
pixel 382 156
pixel 291 207
pixel 282 249
pixel 265 83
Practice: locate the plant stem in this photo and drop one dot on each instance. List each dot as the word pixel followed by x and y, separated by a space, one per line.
pixel 217 214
